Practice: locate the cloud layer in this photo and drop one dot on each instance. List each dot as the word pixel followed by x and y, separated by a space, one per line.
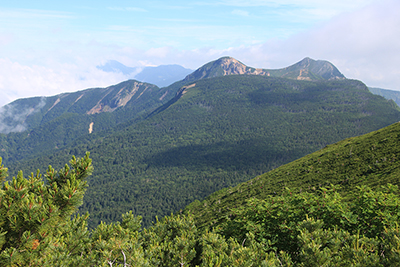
pixel 363 43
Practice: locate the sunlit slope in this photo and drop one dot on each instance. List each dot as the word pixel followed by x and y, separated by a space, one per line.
pixel 371 159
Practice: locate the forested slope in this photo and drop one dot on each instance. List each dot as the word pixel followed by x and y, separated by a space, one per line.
pixel 220 132
pixel 40 227
pixel 53 122
pixel 368 160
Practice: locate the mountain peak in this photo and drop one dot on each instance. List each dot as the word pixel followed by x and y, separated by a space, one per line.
pixel 222 67
pixel 306 69
pixel 320 69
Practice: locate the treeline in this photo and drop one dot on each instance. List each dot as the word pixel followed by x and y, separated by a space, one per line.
pixel 308 229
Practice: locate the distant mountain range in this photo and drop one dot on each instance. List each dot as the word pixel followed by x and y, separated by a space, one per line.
pixel 155 150
pixel 161 76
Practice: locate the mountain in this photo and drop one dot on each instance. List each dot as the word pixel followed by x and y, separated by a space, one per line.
pixel 28 113
pixel 219 132
pixel 158 149
pixel 115 66
pixel 307 69
pixel 25 114
pixel 388 94
pixel 161 76
pixel 371 159
pixel 46 124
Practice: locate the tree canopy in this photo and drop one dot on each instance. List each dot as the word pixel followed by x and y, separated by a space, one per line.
pixel 39 227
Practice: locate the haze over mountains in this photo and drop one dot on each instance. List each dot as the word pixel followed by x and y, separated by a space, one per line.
pixel 161 76
pixel 158 149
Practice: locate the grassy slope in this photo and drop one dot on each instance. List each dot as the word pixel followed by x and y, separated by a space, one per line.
pixel 371 159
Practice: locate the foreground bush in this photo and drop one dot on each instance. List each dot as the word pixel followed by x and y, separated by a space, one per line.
pixel 307 229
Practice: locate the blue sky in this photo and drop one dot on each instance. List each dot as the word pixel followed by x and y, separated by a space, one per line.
pixel 48 47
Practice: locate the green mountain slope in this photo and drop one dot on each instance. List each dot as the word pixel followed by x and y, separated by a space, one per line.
pixel 371 159
pixel 219 132
pixel 29 113
pixel 54 122
pixel 388 94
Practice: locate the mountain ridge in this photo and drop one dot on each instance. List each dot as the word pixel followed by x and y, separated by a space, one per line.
pixel 26 113
pixel 306 69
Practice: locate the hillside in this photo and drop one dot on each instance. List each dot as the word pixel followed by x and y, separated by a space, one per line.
pixel 371 159
pixel 40 227
pixel 29 113
pixel 388 94
pixel 48 123
pixel 219 132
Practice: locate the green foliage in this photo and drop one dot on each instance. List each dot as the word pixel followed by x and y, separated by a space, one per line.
pixel 319 228
pixel 35 216
pixel 275 221
pixel 369 160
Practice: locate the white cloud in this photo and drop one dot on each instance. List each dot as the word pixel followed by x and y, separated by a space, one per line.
pixel 17 117
pixel 18 81
pixel 363 44
pixel 242 13
pixel 134 9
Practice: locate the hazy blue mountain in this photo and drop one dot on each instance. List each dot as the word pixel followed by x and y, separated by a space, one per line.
pixel 388 94
pixel 115 66
pixel 163 75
